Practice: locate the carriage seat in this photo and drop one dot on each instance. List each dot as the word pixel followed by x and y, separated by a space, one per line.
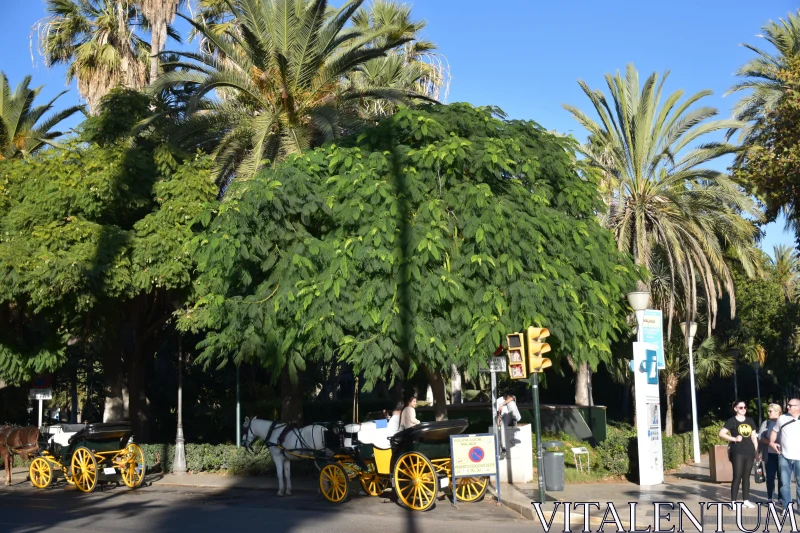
pixel 378 437
pixel 62 439
pixel 72 428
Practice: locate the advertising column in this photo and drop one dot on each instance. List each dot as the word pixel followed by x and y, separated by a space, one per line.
pixel 648 413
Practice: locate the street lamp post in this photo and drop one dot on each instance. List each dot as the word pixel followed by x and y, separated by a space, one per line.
pixel 756 366
pixel 179 462
pixel 639 302
pixel 689 330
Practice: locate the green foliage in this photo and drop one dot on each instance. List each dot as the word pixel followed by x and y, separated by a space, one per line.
pixel 282 66
pixel 19 134
pixel 86 230
pixel 422 241
pixel 614 453
pixel 221 459
pixel 665 204
pixel 618 454
pixel 771 164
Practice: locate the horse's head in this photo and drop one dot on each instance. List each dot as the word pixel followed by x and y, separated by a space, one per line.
pixel 248 437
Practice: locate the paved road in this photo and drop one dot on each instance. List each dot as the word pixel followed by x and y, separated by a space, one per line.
pixel 155 509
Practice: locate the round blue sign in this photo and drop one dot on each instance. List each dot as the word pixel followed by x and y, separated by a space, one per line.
pixel 476 454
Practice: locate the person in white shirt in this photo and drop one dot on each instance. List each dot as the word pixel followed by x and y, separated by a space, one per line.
pixel 394 421
pixel 507 411
pixel 507 416
pixel 787 430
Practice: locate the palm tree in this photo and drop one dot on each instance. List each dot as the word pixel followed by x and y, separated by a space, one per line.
pixel 662 202
pixel 787 270
pixel 96 39
pixel 762 75
pixel 414 66
pixel 281 65
pixel 19 133
pixel 159 14
pixel 709 361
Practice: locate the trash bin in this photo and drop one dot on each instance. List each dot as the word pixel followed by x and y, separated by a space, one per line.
pixel 553 463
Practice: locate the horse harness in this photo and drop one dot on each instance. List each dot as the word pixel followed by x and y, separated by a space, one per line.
pixel 285 430
pixel 5 436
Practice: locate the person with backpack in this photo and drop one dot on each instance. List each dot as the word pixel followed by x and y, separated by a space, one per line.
pixel 785 439
pixel 740 432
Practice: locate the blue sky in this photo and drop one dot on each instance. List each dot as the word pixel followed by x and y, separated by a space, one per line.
pixel 525 56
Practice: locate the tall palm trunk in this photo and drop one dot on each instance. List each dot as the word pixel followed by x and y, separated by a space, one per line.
pixel 670 387
pixel 159 13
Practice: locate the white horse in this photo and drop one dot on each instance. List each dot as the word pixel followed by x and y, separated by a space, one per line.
pixel 285 444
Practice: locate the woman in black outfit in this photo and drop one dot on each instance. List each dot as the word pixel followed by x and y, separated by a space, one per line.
pixel 740 432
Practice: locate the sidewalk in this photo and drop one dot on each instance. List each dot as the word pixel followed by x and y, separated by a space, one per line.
pixel 691 485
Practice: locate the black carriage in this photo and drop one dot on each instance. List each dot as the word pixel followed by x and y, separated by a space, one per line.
pixel 416 464
pixel 87 454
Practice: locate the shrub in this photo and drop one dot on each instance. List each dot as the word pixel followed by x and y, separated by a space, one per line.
pixel 615 453
pixel 220 458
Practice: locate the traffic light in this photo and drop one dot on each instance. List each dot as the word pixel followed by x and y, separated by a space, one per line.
pixel 537 347
pixel 516 356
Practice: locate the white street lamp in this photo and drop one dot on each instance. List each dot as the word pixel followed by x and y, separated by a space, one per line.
pixel 689 334
pixel 639 302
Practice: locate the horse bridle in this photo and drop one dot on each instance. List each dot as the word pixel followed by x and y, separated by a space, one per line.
pixel 248 444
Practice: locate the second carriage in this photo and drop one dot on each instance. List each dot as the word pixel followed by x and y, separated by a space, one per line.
pixel 415 462
pixel 85 455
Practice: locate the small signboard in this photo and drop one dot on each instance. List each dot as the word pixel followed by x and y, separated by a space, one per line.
pixel 496 364
pixel 653 333
pixel 473 455
pixel 41 394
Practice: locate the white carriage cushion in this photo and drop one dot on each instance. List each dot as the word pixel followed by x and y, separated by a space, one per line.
pixel 378 437
pixel 62 438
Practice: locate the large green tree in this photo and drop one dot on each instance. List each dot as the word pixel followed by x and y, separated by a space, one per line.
pixel 93 253
pixel 279 67
pixel 418 243
pixel 664 202
pixel 23 126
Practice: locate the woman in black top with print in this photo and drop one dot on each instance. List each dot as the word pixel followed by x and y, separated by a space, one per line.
pixel 740 432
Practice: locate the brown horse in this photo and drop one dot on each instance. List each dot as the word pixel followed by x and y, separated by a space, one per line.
pixel 17 441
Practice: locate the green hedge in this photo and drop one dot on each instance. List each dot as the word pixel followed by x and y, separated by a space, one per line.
pixel 619 453
pixel 222 458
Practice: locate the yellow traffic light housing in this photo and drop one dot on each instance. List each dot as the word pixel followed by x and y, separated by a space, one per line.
pixel 537 347
pixel 516 356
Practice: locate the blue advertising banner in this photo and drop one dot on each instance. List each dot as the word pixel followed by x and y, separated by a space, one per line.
pixel 653 333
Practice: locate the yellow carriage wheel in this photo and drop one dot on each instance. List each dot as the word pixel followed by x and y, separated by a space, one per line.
pixel 333 483
pixel 41 473
pixel 415 481
pixel 373 483
pixel 83 469
pixel 132 466
pixel 471 489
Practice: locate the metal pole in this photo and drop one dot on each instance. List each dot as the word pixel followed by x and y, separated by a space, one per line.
pixel 695 431
pixel 179 463
pixel 496 438
pixel 238 412
pixel 40 411
pixel 538 426
pixel 758 389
